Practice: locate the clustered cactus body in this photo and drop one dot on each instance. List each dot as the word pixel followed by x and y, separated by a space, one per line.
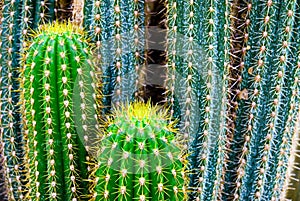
pixel 140 157
pixel 60 105
pixel 116 28
pixel 17 17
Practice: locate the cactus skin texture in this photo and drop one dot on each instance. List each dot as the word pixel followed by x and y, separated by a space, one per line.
pixel 17 17
pixel 117 29
pixel 264 123
pixel 140 157
pixel 59 104
pixel 198 56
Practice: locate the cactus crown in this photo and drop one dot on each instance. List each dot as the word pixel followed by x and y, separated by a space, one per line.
pixel 59 28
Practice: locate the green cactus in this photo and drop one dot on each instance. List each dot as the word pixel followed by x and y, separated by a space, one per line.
pixel 116 28
pixel 140 157
pixel 59 110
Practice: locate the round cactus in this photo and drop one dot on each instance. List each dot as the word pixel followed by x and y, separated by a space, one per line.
pixel 140 157
pixel 59 108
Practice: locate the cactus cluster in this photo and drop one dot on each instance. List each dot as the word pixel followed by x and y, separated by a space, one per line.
pixel 249 163
pixel 140 157
pixel 265 117
pixel 232 80
pixel 60 104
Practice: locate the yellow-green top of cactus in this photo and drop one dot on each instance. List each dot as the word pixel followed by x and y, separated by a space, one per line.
pixel 59 28
pixel 144 112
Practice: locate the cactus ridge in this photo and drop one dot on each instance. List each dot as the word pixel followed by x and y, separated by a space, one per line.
pixel 60 109
pixel 140 157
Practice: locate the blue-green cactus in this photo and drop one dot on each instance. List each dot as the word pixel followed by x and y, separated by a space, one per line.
pixel 262 134
pixel 18 17
pixel 198 53
pixel 116 27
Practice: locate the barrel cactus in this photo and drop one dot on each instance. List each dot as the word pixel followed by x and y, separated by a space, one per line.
pixel 140 157
pixel 59 108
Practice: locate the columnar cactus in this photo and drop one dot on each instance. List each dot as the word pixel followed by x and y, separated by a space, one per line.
pixel 3 179
pixel 116 27
pixel 140 157
pixel 17 17
pixel 59 110
pixel 264 124
pixel 203 30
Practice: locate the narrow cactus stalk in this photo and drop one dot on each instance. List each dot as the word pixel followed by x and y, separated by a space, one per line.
pixel 140 157
pixel 205 55
pixel 4 191
pixel 240 43
pixel 3 180
pixel 117 26
pixel 281 95
pixel 12 138
pixel 17 17
pixel 291 186
pixel 59 102
pixel 286 187
pixel 262 122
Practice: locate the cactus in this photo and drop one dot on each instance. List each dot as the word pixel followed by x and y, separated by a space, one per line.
pixel 291 185
pixel 116 28
pixel 17 18
pixel 263 127
pixel 140 157
pixel 198 73
pixel 59 109
pixel 3 180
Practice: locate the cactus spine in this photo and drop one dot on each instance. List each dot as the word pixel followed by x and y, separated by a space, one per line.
pixel 117 26
pixel 140 157
pixel 59 108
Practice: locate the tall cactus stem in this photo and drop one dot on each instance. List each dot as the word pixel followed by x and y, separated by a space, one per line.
pixel 59 107
pixel 283 76
pixel 10 125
